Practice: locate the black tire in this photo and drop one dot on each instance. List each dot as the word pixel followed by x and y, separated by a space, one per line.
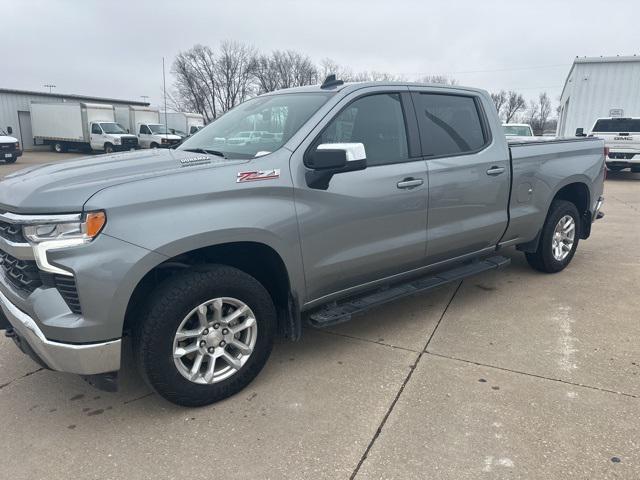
pixel 59 147
pixel 153 145
pixel 168 306
pixel 615 168
pixel 108 148
pixel 543 259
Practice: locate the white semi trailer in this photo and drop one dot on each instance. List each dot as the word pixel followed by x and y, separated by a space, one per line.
pixel 80 126
pixel 183 123
pixel 145 123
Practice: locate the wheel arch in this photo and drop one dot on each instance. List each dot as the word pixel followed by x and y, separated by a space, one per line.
pixel 578 193
pixel 257 259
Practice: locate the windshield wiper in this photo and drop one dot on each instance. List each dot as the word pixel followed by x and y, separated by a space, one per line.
pixel 207 151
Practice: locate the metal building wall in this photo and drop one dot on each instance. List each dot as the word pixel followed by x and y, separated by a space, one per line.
pixel 595 87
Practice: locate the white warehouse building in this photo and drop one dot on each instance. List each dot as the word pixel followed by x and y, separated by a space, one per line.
pixel 599 87
pixel 15 109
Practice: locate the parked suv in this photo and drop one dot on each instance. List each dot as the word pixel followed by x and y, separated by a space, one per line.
pixel 203 254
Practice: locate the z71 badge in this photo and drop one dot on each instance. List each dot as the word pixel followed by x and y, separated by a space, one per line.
pixel 256 175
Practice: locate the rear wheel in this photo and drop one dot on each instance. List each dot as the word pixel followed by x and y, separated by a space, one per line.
pixel 559 239
pixel 59 147
pixel 206 335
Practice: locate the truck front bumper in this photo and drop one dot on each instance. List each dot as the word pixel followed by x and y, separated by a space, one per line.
pixel 83 359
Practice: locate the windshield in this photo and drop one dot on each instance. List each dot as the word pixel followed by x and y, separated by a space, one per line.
pixel 260 125
pixel 517 130
pixel 617 125
pixel 112 128
pixel 157 128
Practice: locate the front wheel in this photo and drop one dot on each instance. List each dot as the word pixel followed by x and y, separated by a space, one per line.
pixel 153 145
pixel 108 148
pixel 559 239
pixel 206 335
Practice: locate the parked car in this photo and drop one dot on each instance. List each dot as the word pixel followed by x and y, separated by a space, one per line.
pixel 79 126
pixel 622 138
pixel 517 130
pixel 9 146
pixel 206 253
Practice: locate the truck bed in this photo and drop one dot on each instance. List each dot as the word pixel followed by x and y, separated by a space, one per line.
pixel 539 169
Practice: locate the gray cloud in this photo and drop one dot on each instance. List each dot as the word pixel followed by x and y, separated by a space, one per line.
pixel 115 48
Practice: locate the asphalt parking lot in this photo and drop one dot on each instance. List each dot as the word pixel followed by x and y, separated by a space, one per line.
pixel 509 374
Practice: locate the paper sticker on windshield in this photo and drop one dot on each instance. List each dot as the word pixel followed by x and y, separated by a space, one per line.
pixel 255 175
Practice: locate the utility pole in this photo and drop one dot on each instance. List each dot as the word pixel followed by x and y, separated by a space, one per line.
pixel 49 86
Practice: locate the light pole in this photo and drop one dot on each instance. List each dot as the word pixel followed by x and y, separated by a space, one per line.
pixel 49 86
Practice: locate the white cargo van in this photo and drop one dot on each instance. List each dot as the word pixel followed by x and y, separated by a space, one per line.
pixel 82 126
pixel 145 123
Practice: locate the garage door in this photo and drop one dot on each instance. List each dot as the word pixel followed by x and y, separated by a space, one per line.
pixel 26 136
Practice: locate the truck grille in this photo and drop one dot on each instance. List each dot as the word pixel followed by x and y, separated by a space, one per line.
pixel 11 232
pixel 7 147
pixel 129 142
pixel 21 274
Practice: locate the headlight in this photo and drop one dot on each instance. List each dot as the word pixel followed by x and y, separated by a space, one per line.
pixel 17 145
pixel 62 231
pixel 116 141
pixel 164 140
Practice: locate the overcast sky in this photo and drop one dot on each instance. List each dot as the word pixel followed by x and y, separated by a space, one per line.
pixel 115 48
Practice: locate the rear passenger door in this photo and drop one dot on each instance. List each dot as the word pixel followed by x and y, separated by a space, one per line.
pixel 469 174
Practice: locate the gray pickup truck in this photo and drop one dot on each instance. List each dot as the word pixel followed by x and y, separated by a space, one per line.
pixel 347 196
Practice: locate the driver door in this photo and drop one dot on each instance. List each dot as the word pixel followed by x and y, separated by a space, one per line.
pixel 368 224
pixel 96 138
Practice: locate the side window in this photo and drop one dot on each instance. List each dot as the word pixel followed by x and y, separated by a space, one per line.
pixel 95 128
pixel 145 130
pixel 377 121
pixel 449 124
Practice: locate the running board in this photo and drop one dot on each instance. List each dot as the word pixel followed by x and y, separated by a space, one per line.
pixel 341 311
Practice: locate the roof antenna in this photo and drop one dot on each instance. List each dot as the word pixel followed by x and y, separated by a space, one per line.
pixel 331 82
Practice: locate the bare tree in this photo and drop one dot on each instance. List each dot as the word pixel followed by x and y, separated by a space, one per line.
pixel 443 79
pixel 544 111
pixel 234 72
pixel 284 70
pixel 515 103
pixel 531 115
pixel 499 100
pixel 195 82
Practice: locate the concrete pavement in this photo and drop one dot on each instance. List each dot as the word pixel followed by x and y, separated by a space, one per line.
pixel 510 374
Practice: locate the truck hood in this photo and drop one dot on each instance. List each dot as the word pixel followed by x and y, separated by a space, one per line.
pixel 5 139
pixel 64 187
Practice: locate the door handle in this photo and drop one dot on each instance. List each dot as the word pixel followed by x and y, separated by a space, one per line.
pixel 410 182
pixel 493 171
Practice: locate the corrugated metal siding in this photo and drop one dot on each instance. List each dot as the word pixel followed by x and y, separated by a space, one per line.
pixel 12 103
pixel 593 89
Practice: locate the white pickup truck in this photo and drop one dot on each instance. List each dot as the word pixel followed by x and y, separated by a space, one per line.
pixel 622 137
